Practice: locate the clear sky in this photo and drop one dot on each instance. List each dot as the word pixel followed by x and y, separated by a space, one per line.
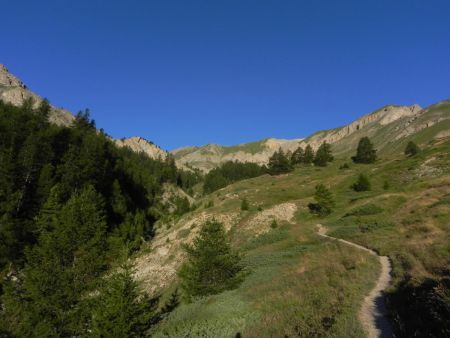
pixel 224 71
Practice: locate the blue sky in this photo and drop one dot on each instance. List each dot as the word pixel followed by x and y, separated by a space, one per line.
pixel 196 72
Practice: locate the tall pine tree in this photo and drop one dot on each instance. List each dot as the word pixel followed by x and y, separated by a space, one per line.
pixel 211 265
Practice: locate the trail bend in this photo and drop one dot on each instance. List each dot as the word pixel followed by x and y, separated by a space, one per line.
pixel 373 313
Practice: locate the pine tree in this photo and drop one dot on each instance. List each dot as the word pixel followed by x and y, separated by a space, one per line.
pixel 211 265
pixel 62 268
pixel 324 201
pixel 308 157
pixel 121 310
pixel 118 200
pixel 323 155
pixel 48 215
pixel 365 152
pixel 362 183
pixel 297 156
pixel 279 163
pixel 411 149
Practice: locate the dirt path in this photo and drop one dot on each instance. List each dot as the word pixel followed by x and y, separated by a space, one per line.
pixel 373 310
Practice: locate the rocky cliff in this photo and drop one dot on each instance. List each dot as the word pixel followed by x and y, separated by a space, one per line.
pixel 14 91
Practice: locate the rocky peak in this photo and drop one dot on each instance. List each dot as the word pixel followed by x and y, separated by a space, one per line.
pixel 15 92
pixel 9 80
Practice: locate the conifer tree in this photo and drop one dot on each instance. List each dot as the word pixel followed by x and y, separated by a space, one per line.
pixel 323 155
pixel 297 156
pixel 211 265
pixel 324 201
pixel 121 310
pixel 362 183
pixel 365 152
pixel 279 163
pixel 411 149
pixel 308 157
pixel 63 267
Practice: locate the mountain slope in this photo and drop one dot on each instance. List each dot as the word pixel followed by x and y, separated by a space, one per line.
pixel 387 126
pixel 302 285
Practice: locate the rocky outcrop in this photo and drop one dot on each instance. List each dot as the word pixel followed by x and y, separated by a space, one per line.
pixel 141 145
pixel 382 117
pixel 15 92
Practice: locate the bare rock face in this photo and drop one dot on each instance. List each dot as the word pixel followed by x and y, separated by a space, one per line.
pixel 141 145
pixel 383 116
pixel 14 91
pixel 9 80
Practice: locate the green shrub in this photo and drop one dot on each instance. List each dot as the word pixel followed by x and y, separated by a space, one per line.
pixel 244 205
pixel 362 184
pixel 411 149
pixel 365 210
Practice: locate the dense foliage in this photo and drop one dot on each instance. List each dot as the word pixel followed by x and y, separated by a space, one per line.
pixel 121 310
pixel 70 201
pixel 230 172
pixel 211 266
pixel 279 163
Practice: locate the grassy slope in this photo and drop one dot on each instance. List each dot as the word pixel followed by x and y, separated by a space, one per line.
pixel 302 285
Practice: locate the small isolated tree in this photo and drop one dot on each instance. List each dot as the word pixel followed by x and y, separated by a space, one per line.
pixel 362 183
pixel 411 149
pixel 211 265
pixel 279 163
pixel 365 152
pixel 323 155
pixel 386 185
pixel 121 310
pixel 324 201
pixel 244 204
pixel 308 156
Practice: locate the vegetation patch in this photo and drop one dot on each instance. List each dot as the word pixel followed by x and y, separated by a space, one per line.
pixel 364 210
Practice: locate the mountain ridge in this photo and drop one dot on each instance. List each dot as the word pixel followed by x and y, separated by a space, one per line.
pixel 387 124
